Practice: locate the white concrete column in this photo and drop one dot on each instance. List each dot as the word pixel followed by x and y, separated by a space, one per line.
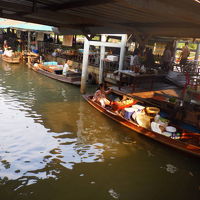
pixel 29 40
pixel 175 49
pixel 85 65
pixel 102 57
pixel 122 51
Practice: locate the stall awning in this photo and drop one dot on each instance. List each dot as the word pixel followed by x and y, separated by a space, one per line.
pixel 20 25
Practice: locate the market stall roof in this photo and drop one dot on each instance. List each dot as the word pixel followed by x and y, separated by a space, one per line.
pixel 180 18
pixel 7 23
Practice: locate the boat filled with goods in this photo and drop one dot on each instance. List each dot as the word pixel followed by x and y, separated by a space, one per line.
pixel 147 120
pixel 55 71
pixel 11 57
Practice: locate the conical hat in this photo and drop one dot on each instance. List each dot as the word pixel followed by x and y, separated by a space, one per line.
pixel 143 120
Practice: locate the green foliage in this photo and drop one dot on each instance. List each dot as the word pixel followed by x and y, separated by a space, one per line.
pixel 180 45
pixel 192 46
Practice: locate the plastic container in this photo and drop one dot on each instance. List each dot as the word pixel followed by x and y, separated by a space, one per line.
pixel 50 63
pixel 35 51
pixel 155 127
pixel 128 112
pixel 168 134
pixel 112 58
pixel 171 129
pixel 138 108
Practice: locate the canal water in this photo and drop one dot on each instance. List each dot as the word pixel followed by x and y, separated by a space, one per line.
pixel 55 146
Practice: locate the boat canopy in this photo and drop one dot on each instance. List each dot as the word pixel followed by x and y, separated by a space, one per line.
pixel 7 23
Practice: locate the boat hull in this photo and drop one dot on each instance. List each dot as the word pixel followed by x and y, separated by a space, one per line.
pixel 71 80
pixel 11 60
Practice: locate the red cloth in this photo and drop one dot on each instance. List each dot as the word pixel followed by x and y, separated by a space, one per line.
pixel 119 106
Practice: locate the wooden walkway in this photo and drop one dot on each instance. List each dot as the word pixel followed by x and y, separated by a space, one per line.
pixel 144 92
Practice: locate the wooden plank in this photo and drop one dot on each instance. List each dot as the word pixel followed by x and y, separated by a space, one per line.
pixel 41 13
pixel 164 8
pixel 78 4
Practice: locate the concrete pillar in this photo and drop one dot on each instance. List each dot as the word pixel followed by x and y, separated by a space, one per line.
pixel 29 40
pixel 122 51
pixel 85 65
pixel 102 57
pixel 175 49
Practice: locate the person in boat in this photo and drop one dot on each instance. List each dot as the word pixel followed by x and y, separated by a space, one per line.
pixel 100 96
pixel 8 52
pixel 5 45
pixel 66 68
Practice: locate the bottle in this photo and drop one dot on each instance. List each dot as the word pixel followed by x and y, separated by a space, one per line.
pixel 156 118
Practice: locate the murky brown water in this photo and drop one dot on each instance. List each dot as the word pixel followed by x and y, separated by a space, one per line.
pixel 54 146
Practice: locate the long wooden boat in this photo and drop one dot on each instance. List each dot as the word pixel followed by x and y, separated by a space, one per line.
pixel 12 60
pixel 72 78
pixel 187 141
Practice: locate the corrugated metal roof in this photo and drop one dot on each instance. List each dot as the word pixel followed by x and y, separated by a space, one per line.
pixel 148 17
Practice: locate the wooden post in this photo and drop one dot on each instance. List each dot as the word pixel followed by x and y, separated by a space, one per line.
pixel 174 52
pixel 102 56
pixel 29 40
pixel 36 41
pixel 197 53
pixel 84 65
pixel 122 51
pixel 29 60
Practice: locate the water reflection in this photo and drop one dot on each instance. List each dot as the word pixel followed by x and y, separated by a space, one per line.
pixel 6 67
pixel 34 131
pixel 50 136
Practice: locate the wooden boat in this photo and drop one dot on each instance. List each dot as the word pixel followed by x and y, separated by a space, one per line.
pixel 73 78
pixel 13 60
pixel 187 141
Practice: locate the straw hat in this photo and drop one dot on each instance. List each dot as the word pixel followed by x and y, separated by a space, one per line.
pixel 143 120
pixel 152 110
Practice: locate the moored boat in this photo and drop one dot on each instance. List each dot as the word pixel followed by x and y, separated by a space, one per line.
pixel 178 138
pixel 13 59
pixel 55 72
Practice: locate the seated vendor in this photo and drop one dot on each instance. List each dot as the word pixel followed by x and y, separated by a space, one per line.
pixel 67 66
pixel 100 96
pixel 5 45
pixel 135 61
